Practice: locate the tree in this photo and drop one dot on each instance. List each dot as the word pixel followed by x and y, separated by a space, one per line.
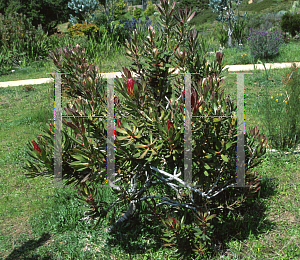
pixel 84 9
pixel 226 6
pixel 48 13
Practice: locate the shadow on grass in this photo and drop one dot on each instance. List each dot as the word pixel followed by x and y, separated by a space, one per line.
pixel 23 251
pixel 133 237
pixel 249 219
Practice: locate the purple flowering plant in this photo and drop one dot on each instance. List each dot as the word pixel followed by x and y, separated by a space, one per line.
pixel 264 44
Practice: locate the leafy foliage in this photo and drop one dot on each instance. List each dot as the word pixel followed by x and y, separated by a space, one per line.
pixel 84 10
pixel 19 41
pixel 100 18
pixel 222 36
pixel 131 9
pixel 290 23
pixel 127 27
pixel 120 10
pixel 80 29
pixel 48 13
pixel 188 237
pixel 150 9
pixel 195 5
pixel 264 44
pixel 137 13
pixel 228 7
pixel 238 33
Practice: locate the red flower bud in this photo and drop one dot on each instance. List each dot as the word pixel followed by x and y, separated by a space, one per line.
pixel 36 147
pixel 169 124
pixel 181 109
pixel 51 128
pixel 130 87
pixel 174 221
pixel 119 123
pixel 261 145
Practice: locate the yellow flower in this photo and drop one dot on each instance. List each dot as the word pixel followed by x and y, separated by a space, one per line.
pixel 276 100
pixel 285 101
pixel 277 94
pixel 280 94
pixel 272 97
pixel 245 54
pixel 242 55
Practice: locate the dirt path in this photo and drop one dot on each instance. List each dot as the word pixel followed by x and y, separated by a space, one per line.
pixel 231 68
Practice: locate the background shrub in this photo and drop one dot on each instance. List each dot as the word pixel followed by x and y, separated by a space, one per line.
pixel 137 13
pixel 131 9
pixel 290 23
pixel 239 31
pixel 120 10
pixel 48 13
pixel 100 18
pixel 126 27
pixel 150 9
pixel 263 21
pixel 83 29
pixel 197 5
pixel 84 9
pixel 20 42
pixel 264 44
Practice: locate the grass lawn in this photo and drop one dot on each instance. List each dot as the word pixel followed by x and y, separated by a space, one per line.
pixel 39 222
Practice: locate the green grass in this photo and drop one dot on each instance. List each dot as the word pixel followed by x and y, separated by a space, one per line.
pixel 267 6
pixel 35 71
pixel 35 225
pixel 40 69
pixel 287 53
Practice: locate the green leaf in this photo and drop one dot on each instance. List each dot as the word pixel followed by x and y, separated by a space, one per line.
pixel 144 153
pixel 228 145
pixel 140 145
pixel 130 142
pixel 80 157
pixel 137 155
pixel 206 166
pixel 208 156
pixel 210 217
pixel 159 146
pixel 120 130
pixel 224 158
pixel 206 173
